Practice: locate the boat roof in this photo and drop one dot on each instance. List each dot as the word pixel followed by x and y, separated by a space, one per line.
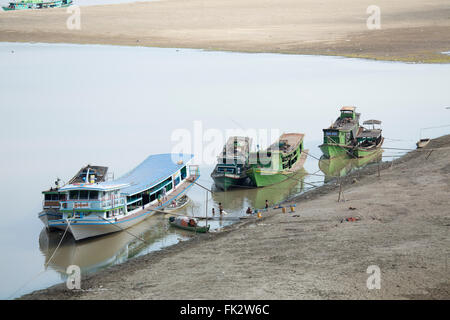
pixel 292 141
pixel 98 171
pixel 372 122
pixel 345 124
pixel 348 108
pixel 101 186
pixel 369 133
pixel 153 170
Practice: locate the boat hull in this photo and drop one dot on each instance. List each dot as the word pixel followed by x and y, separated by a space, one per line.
pixel 366 152
pixel 333 151
pixel 225 181
pixel 263 178
pixel 47 215
pixel 193 229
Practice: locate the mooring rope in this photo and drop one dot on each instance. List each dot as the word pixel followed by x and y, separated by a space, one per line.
pixel 45 265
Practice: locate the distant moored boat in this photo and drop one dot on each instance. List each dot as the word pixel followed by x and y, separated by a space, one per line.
pixel 37 4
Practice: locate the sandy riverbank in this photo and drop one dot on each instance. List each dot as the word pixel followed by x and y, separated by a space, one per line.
pixel 310 254
pixel 411 30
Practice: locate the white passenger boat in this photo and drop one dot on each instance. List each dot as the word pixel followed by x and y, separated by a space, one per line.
pixel 94 209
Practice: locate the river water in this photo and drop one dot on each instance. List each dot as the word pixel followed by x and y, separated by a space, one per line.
pixel 64 106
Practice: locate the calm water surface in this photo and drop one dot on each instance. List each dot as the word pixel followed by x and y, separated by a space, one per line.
pixel 64 106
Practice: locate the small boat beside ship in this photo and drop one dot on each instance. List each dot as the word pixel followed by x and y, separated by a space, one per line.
pixel 277 163
pixel 94 209
pixel 232 166
pixel 177 204
pixel 37 4
pixel 368 141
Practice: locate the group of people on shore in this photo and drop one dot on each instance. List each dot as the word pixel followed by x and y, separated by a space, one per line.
pixel 248 211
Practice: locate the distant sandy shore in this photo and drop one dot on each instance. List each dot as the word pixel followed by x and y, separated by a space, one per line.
pixel 411 30
pixel 314 253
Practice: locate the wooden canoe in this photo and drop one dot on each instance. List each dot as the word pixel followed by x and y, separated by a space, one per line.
pixel 422 143
pixel 197 229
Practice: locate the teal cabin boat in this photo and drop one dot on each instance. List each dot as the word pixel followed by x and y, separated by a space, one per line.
pixel 340 137
pixel 232 164
pixel 279 162
pixel 37 4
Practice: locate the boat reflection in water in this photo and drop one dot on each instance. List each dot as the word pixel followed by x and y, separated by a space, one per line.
pixel 343 165
pixel 236 201
pixel 92 255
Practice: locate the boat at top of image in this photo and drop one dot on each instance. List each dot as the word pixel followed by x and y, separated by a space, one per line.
pixel 37 4
pixel 275 164
pixel 368 140
pixel 232 164
pixel 93 209
pixel 53 196
pixel 340 137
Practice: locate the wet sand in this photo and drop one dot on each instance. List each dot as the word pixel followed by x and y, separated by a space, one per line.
pixel 310 254
pixel 411 30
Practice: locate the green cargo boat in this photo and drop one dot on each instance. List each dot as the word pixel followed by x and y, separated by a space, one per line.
pixel 340 137
pixel 280 161
pixel 232 165
pixel 37 4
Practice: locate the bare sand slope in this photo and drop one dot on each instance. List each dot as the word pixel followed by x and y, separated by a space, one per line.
pixel 411 30
pixel 404 230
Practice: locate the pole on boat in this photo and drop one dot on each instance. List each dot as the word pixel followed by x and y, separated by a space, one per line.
pixel 206 208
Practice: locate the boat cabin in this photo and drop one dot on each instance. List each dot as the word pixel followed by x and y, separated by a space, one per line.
pixel 348 112
pixel 93 199
pixel 52 198
pixel 282 154
pixel 369 137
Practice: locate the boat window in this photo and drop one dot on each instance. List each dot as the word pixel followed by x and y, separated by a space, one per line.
pixel 62 196
pixel 73 195
pixel 48 197
pixel 55 197
pixel 93 195
pixel 84 194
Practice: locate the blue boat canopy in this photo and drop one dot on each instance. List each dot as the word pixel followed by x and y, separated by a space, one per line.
pixel 153 170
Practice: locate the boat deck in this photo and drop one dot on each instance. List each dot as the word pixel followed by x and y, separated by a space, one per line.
pixel 374 133
pixel 299 164
pixel 292 141
pixel 346 123
pixel 179 191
